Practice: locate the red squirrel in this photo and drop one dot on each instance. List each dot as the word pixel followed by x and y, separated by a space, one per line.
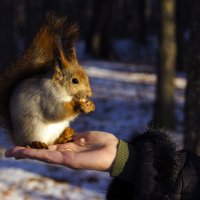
pixel 46 88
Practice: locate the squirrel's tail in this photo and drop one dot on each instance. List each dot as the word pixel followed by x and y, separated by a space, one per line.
pixel 56 34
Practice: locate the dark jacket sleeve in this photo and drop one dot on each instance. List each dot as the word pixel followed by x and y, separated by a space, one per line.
pixel 155 171
pixel 187 183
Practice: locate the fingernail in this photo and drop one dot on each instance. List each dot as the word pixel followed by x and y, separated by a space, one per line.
pixel 8 153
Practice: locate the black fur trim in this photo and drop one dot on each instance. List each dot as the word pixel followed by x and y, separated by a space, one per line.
pixel 165 160
pixel 162 150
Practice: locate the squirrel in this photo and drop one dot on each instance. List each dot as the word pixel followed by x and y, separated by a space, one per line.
pixel 46 88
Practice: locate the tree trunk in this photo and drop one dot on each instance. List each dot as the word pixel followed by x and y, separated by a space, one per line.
pixel 8 45
pixel 164 115
pixel 98 42
pixel 141 22
pixel 182 18
pixel 192 106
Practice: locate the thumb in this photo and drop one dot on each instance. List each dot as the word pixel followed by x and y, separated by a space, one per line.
pixel 81 141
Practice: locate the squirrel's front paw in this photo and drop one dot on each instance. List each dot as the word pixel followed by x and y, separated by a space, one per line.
pixel 86 106
pixel 66 136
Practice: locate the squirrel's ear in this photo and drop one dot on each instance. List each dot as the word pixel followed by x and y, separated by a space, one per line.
pixel 64 35
pixel 63 62
pixel 69 38
pixel 67 57
pixel 72 55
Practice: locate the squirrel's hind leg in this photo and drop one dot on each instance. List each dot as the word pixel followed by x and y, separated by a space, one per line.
pixel 66 136
pixel 38 145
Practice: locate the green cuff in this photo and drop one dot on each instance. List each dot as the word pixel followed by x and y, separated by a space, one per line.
pixel 121 158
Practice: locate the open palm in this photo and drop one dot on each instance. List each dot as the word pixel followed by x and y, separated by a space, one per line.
pixel 90 150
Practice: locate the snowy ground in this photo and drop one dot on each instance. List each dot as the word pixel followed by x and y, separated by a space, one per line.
pixel 124 95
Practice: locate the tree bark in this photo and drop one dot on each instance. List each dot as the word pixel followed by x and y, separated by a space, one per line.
pixel 164 115
pixel 8 45
pixel 141 18
pixel 99 40
pixel 192 106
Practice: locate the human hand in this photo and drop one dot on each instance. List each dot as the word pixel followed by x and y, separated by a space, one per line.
pixel 90 150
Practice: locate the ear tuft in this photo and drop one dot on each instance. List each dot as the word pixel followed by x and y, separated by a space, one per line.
pixel 64 33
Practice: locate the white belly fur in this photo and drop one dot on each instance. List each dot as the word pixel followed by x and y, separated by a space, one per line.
pixel 48 133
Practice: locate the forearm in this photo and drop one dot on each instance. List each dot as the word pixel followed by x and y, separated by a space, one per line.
pixel 124 164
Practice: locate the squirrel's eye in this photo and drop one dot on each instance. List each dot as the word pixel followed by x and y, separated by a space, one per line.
pixel 75 81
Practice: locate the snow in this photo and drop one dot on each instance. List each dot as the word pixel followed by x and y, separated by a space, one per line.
pixel 124 95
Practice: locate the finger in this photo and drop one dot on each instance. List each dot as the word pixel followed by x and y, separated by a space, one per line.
pixel 11 152
pixel 22 152
pixel 77 137
pixel 39 154
pixel 81 141
pixel 48 156
pixel 65 158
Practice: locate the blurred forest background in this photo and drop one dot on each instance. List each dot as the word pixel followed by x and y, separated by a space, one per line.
pixel 163 33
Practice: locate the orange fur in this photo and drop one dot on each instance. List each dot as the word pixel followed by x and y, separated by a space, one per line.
pixel 55 38
pixel 72 108
pixel 66 136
